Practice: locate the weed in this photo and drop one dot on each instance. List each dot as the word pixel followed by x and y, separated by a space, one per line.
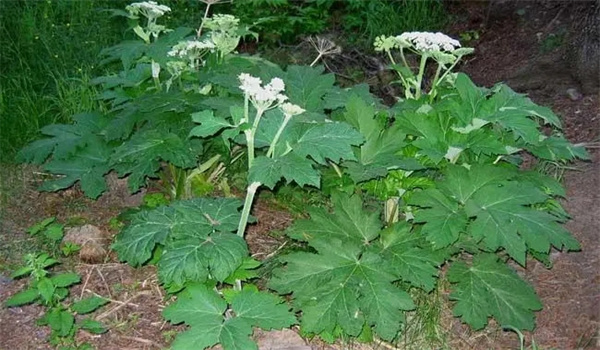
pixel 50 290
pixel 553 41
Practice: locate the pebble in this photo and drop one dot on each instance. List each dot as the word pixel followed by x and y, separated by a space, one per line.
pixel 574 95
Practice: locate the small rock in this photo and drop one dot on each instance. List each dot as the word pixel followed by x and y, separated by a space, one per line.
pixel 285 339
pixel 574 95
pixel 91 240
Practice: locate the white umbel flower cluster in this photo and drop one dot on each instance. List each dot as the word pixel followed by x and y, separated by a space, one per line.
pixel 185 49
pixel 192 51
pixel 262 98
pixel 428 42
pixel 149 9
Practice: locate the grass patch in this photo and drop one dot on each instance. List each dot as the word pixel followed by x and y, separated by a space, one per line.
pixel 50 49
pixel 365 20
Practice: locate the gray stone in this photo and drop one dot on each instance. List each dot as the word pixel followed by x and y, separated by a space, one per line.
pixel 285 339
pixel 574 95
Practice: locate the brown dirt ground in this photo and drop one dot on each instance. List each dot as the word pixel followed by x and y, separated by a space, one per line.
pixel 570 290
pixel 510 50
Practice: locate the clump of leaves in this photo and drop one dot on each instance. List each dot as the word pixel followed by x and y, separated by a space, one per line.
pixel 350 283
pixel 226 319
pixel 51 290
pixel 49 229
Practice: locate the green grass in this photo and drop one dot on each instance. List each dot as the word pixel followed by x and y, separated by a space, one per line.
pixel 364 20
pixel 49 51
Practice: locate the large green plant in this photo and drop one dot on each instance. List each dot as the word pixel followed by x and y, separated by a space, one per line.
pixel 448 159
pixel 447 153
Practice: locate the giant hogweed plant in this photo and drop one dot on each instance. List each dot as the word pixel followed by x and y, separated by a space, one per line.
pixel 449 155
pixel 449 160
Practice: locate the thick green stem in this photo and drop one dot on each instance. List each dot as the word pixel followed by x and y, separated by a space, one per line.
pixel 250 137
pixel 250 143
pixel 391 210
pixel 250 192
pixel 420 76
pixel 434 83
pixel 277 136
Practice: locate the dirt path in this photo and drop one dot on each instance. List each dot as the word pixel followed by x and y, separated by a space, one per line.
pixel 514 48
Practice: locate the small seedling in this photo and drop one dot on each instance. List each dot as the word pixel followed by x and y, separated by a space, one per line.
pixel 70 248
pixel 51 290
pixel 49 229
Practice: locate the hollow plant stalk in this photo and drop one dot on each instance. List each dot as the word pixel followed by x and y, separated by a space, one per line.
pixel 420 76
pixel 278 135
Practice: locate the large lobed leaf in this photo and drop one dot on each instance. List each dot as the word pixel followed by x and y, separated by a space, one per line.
pixel 380 152
pixel 140 156
pixel 203 310
pixel 350 282
pixel 502 211
pixel 488 288
pixel 196 235
pixel 303 144
pixel 65 140
pixel 306 86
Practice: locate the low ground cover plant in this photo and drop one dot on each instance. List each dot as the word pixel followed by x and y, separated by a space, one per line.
pixel 445 161
pixel 50 290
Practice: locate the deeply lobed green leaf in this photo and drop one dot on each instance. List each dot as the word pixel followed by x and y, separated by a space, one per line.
pixel 488 288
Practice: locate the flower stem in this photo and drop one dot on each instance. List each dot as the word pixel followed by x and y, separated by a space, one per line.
pixel 407 93
pixel 277 136
pixel 316 59
pixel 337 169
pixel 250 136
pixel 199 32
pixel 389 53
pixel 447 71
pixel 420 76
pixel 403 58
pixel 250 192
pixel 432 92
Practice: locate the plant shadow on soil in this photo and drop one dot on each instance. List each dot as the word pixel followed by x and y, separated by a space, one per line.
pixel 507 50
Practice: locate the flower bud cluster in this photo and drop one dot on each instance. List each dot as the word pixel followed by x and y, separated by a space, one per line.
pixel 222 22
pixel 224 32
pixel 290 109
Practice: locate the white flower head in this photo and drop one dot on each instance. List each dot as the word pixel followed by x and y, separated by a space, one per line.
pixel 185 49
pixel 192 50
pixel 250 85
pixel 276 85
pixel 290 109
pixel 262 97
pixel 149 9
pixel 428 42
